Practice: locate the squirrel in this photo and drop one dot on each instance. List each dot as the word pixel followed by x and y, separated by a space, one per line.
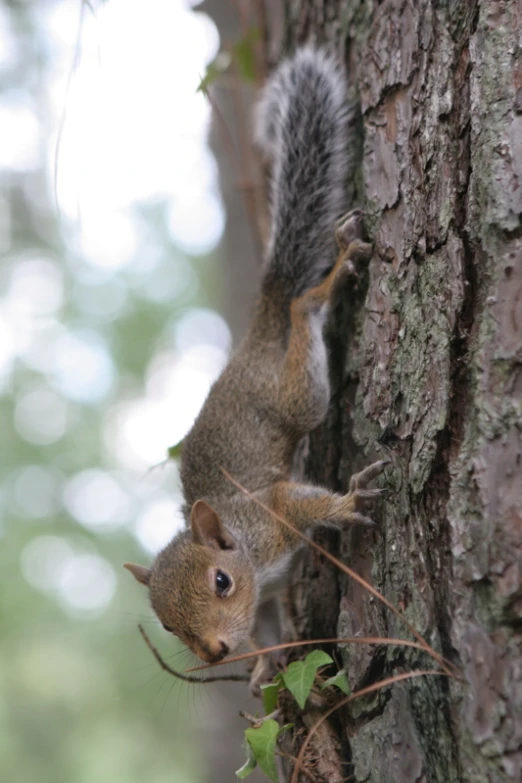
pixel 217 583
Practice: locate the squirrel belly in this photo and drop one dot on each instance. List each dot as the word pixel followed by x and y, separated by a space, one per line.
pixel 216 584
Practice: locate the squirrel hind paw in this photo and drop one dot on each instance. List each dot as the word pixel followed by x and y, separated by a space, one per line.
pixel 361 519
pixel 349 228
pixel 358 251
pixel 362 479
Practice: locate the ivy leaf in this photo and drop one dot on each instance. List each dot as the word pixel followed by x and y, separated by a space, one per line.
pixel 270 692
pixel 318 658
pixel 214 70
pixel 244 55
pixel 174 452
pixel 300 675
pixel 249 765
pixel 339 680
pixel 263 744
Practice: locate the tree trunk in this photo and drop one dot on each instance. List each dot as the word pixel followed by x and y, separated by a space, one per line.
pixel 427 368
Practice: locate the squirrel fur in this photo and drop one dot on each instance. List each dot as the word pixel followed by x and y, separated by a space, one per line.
pixel 217 583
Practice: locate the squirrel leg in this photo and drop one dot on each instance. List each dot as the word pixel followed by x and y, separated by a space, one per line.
pixel 321 294
pixel 306 506
pixel 304 384
pixel 352 249
pixel 304 387
pixel 268 632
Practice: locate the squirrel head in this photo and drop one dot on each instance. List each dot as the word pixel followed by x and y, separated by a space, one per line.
pixel 202 586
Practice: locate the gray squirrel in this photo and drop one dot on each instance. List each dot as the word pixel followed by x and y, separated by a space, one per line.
pixel 217 584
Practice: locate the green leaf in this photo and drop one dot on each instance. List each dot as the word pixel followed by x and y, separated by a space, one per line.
pixel 174 452
pixel 300 675
pixel 214 70
pixel 263 744
pixel 244 55
pixel 299 679
pixel 249 765
pixel 270 692
pixel 339 680
pixel 318 658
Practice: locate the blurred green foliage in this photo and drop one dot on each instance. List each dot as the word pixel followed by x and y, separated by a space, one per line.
pixel 81 698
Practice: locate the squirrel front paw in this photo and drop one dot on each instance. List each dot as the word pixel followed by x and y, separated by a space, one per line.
pixel 359 495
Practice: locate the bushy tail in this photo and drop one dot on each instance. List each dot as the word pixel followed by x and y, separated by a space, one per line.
pixel 301 126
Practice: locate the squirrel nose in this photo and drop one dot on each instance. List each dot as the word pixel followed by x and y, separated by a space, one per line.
pixel 223 649
pixel 214 651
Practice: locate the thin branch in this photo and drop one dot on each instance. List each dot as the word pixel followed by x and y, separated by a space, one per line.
pixel 186 677
pixel 245 185
pixel 255 721
pixel 305 642
pixel 247 162
pixel 226 135
pixel 260 11
pixel 61 125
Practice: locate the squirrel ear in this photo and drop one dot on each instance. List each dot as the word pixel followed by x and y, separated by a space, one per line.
pixel 207 528
pixel 140 573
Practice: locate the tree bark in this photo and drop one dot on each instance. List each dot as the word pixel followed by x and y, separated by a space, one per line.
pixel 427 367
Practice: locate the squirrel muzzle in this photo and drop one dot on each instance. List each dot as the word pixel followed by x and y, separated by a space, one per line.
pixel 202 587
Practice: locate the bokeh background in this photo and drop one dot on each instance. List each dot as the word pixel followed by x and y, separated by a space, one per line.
pixel 113 325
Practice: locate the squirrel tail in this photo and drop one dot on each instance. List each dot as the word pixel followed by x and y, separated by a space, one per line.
pixel 302 129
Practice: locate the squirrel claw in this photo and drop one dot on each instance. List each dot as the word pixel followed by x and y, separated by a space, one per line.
pixel 362 479
pixel 349 228
pixel 361 519
pixel 358 251
pixel 359 494
pixel 368 494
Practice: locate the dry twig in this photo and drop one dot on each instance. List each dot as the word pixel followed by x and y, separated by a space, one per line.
pixel 187 677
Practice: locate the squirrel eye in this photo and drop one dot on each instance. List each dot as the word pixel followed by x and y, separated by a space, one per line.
pixel 223 583
pixel 166 627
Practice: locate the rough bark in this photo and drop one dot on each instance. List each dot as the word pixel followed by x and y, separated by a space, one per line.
pixel 427 365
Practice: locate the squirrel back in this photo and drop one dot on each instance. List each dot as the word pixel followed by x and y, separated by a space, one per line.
pixel 301 128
